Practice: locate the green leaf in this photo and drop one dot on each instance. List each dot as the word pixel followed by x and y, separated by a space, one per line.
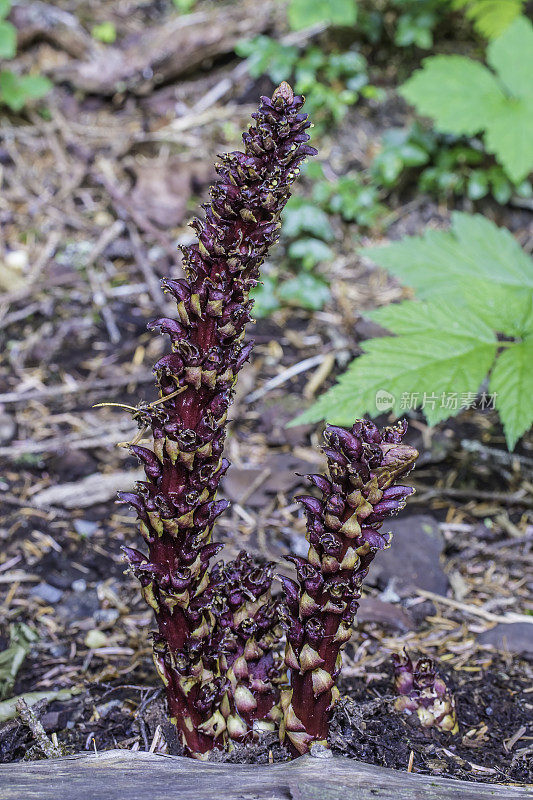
pixel 310 252
pixel 21 637
pixel 412 317
pixel 305 13
pixel 5 8
pixel 464 97
pixel 104 32
pixel 511 56
pixel 470 264
pixel 264 297
pixel 300 216
pixel 8 40
pixel 506 309
pixel 460 94
pixel 16 90
pixel 490 17
pixel 512 383
pixel 305 291
pixel 508 137
pixel 477 281
pixel 34 86
pixel 478 184
pixel 184 6
pixel 268 57
pixel 502 189
pixel 424 366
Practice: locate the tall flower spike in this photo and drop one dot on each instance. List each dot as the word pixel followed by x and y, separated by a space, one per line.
pixel 176 504
pixel 358 494
pixel 423 694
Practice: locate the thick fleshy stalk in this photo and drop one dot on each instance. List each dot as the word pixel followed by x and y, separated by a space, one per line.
pixel 423 694
pixel 177 505
pixel 358 494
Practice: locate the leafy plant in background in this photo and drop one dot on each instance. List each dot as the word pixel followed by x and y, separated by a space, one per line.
pixel 105 32
pixel 16 90
pixel 218 644
pixel 443 165
pixel 404 23
pixel 416 22
pixel 490 17
pixel 407 22
pixel 304 13
pixel 331 82
pixel 184 6
pixel 21 637
pixel 465 98
pixel 473 317
pixel 352 196
pixel 306 231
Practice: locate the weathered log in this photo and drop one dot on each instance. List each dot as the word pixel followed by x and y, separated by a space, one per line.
pixel 37 21
pixel 164 52
pixel 119 774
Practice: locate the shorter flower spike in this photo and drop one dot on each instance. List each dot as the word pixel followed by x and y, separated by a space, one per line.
pixel 358 494
pixel 423 694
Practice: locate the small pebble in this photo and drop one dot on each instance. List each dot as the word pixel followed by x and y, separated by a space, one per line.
pixel 85 527
pixel 95 639
pixel 79 585
pixel 320 751
pixel 16 259
pixel 43 591
pixel 106 616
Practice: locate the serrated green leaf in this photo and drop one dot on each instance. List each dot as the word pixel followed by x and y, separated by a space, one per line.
pixel 490 17
pixel 422 364
pixel 475 264
pixel 412 317
pixel 512 383
pixel 8 40
pixel 505 309
pixel 458 93
pixel 304 13
pixel 465 98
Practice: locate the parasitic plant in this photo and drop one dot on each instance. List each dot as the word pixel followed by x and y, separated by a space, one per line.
pixel 358 494
pixel 423 694
pixel 218 642
pixel 201 622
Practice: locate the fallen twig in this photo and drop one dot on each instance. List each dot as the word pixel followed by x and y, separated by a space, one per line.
pixel 427 493
pixel 283 377
pixel 79 388
pixel 30 719
pixel 512 616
